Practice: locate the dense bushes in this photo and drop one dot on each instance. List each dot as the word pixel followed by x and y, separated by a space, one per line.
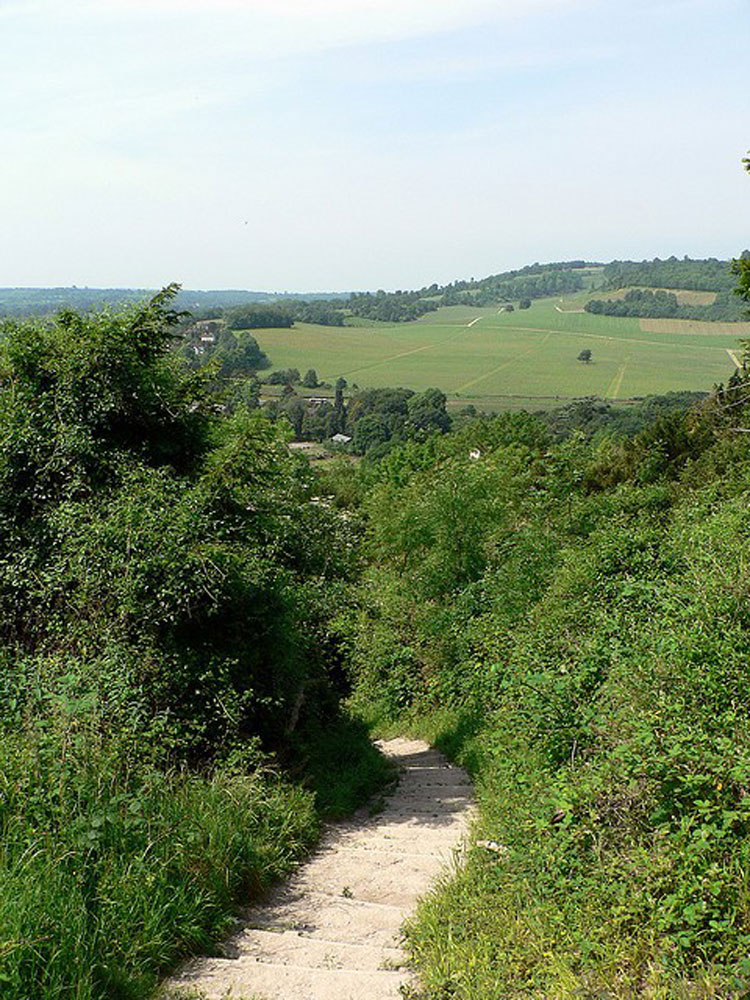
pixel 574 628
pixel 168 593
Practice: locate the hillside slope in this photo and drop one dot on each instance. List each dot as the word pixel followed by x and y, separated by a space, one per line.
pixel 570 623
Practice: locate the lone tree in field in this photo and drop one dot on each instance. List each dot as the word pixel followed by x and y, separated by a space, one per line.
pixel 585 356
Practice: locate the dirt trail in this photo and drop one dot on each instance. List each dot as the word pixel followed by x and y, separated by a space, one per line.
pixel 734 358
pixel 332 932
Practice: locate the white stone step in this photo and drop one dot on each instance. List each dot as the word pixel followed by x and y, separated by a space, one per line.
pixel 416 781
pixel 240 981
pixel 396 879
pixel 374 844
pixel 334 918
pixel 298 948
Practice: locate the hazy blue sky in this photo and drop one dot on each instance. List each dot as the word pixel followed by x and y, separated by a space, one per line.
pixel 337 144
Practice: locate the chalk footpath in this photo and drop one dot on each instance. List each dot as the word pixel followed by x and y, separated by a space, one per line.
pixel 332 932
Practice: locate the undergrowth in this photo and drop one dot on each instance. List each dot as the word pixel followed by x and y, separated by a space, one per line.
pixel 170 666
pixel 112 869
pixel 579 642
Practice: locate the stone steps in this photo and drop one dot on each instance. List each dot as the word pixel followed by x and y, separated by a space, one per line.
pixel 299 948
pixel 248 981
pixel 333 931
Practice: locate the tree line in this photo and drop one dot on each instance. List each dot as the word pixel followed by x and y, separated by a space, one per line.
pixel 707 275
pixel 660 304
pixel 258 310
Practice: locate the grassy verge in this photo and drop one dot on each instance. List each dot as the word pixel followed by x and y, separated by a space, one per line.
pixel 111 871
pixel 341 766
pixel 520 920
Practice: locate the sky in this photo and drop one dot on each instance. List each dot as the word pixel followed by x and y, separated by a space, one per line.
pixel 359 144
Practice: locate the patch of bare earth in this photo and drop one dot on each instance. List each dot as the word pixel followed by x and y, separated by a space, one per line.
pixel 333 932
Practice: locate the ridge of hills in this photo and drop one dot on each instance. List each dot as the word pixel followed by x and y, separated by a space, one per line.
pixel 533 281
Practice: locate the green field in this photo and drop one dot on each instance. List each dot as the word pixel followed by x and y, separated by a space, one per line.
pixel 489 356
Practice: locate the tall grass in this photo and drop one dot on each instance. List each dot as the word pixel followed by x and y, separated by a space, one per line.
pixel 130 868
pixel 112 869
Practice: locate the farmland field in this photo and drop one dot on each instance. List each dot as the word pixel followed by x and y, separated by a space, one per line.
pixel 489 356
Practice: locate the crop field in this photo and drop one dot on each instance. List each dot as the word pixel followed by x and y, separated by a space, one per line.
pixel 491 357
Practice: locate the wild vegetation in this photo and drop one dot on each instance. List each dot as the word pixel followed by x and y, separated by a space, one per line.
pixel 169 593
pixel 569 621
pixel 560 602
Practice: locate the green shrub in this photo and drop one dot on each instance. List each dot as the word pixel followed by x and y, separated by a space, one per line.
pixel 169 597
pixel 591 671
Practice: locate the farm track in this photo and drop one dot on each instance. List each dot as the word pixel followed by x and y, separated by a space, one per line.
pixel 734 358
pixel 614 386
pixel 333 931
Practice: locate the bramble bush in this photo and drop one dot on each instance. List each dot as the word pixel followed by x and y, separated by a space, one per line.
pixel 168 604
pixel 589 666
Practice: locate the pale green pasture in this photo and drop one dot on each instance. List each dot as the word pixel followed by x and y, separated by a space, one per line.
pixel 526 353
pixel 453 315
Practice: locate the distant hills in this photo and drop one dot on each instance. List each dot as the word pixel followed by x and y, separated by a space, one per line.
pixel 41 301
pixel 527 283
